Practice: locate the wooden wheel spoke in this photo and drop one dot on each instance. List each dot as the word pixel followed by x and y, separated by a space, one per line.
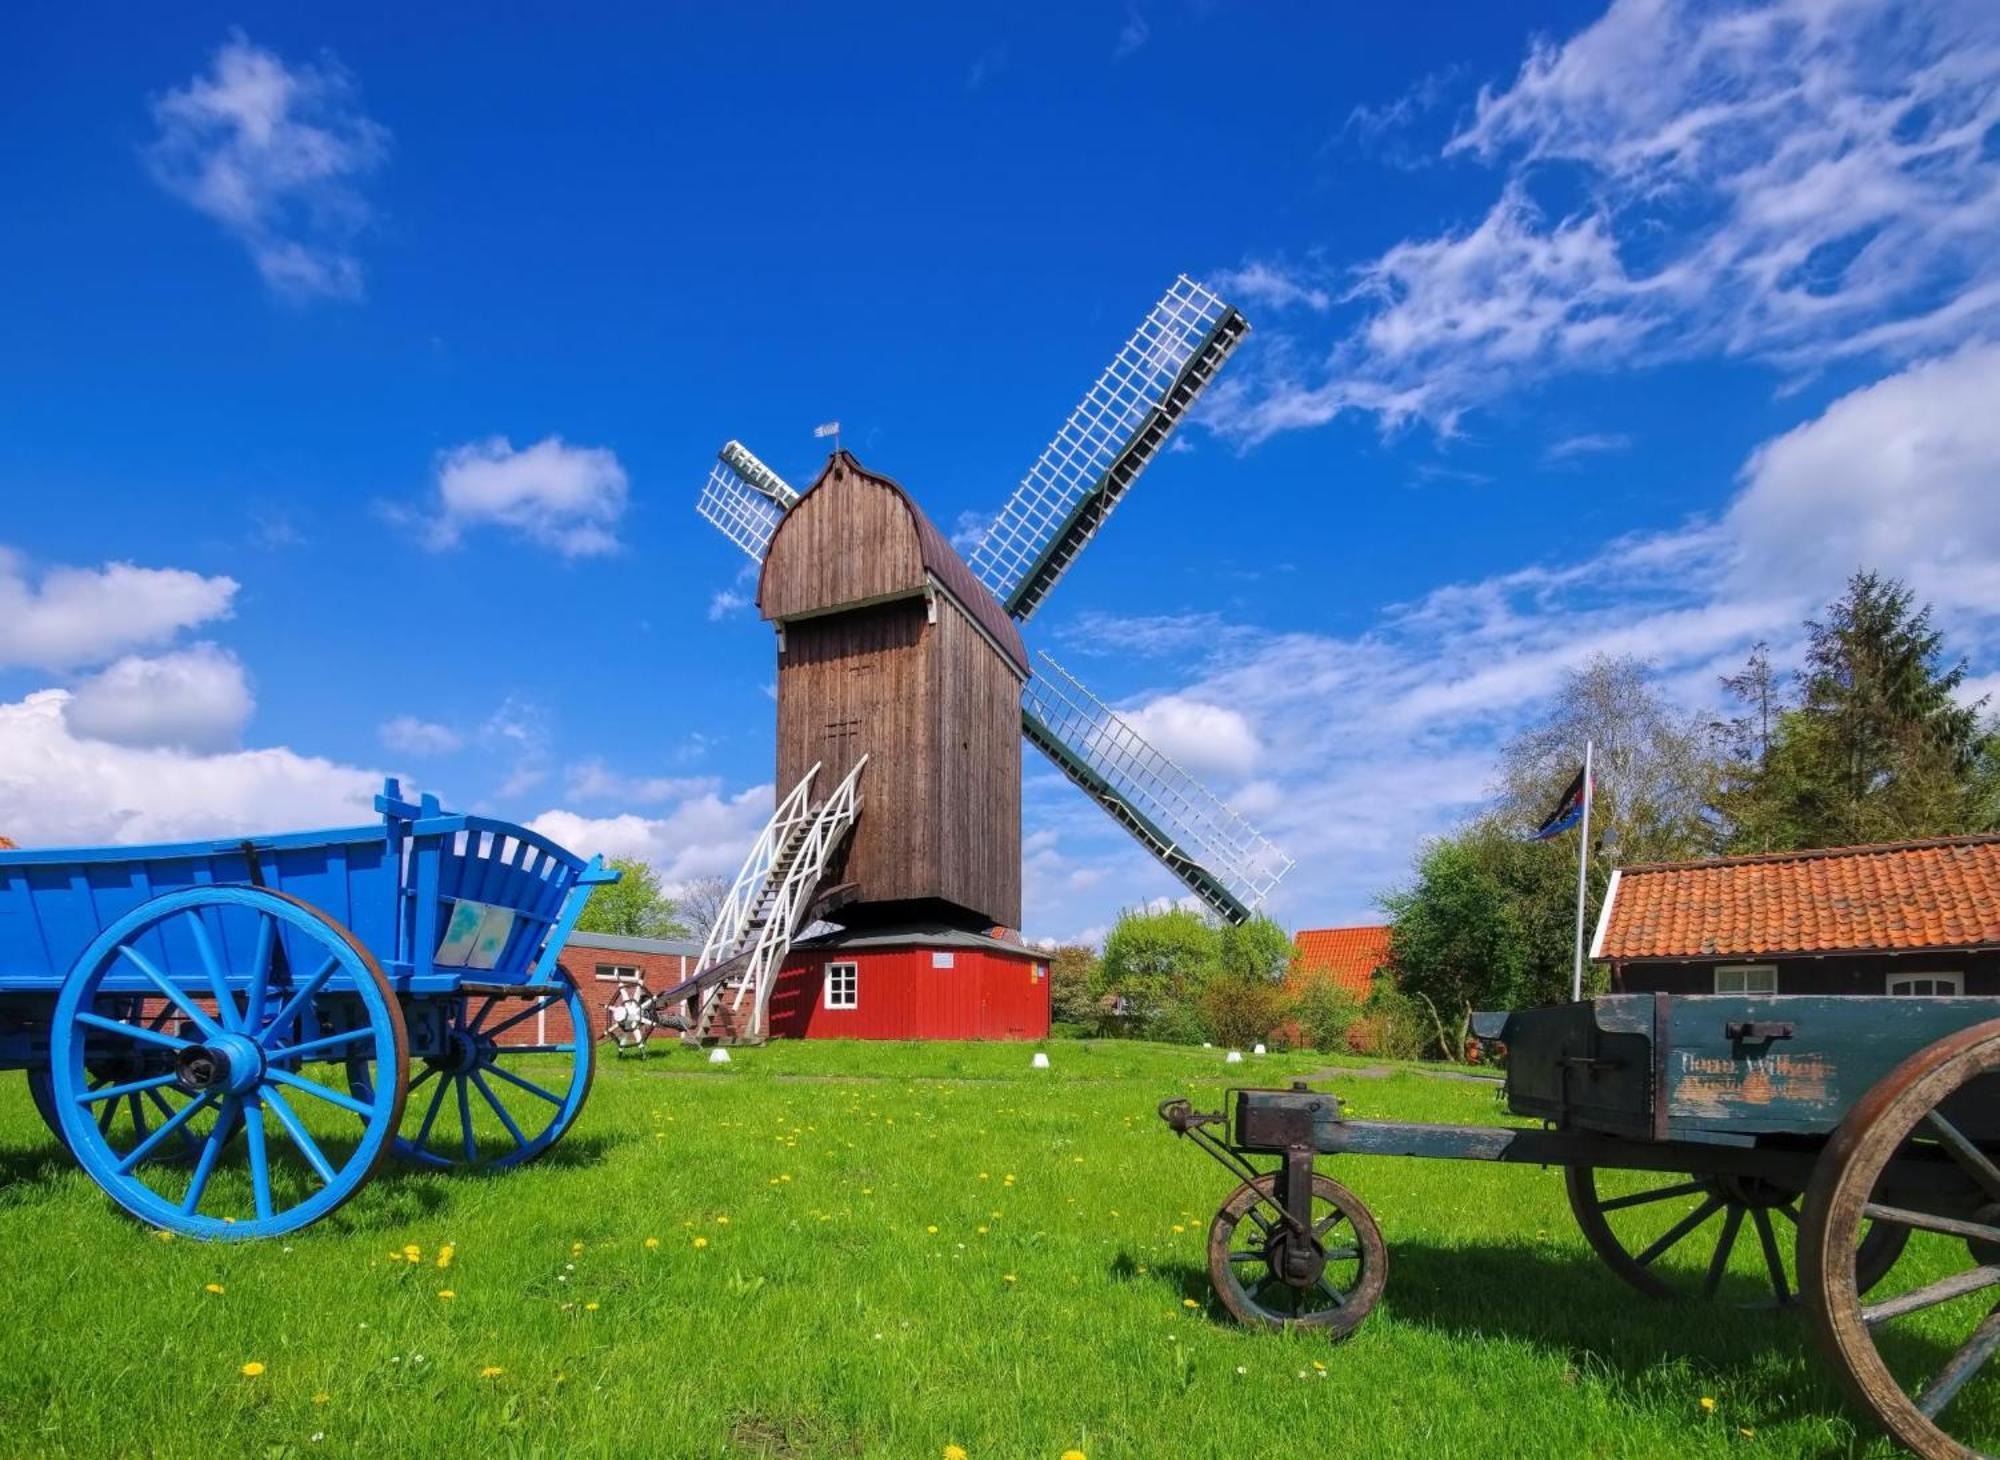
pixel 218 978
pixel 534 1008
pixel 1663 1193
pixel 500 1110
pixel 430 1116
pixel 1970 1358
pixel 313 1087
pixel 1679 1230
pixel 1326 1285
pixel 301 1137
pixel 1931 1294
pixel 301 996
pixel 164 1129
pixel 1773 1263
pixel 1932 1222
pixel 210 1151
pixel 1719 1263
pixel 1975 1162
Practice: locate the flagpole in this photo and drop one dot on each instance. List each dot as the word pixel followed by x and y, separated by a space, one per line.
pixel 1582 872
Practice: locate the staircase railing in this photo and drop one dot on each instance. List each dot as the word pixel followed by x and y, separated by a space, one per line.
pixel 830 826
pixel 732 923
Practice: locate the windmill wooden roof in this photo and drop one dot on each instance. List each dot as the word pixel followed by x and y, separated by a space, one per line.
pixel 1896 896
pixel 1348 956
pixel 812 565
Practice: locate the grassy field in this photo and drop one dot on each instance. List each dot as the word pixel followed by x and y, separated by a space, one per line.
pixel 857 1250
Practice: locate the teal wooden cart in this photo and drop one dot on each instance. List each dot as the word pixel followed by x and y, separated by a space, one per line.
pixel 1843 1153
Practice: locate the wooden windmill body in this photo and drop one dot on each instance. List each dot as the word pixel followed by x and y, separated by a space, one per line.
pixel 889 647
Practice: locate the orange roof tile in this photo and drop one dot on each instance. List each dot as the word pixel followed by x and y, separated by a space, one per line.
pixel 1350 956
pixel 1939 894
pixel 7 846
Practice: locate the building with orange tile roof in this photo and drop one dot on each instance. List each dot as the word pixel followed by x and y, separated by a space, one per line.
pixel 1917 917
pixel 1349 956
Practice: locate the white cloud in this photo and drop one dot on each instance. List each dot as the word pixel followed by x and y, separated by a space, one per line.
pixel 195 699
pixel 1133 34
pixel 1590 443
pixel 57 789
pixel 1271 286
pixel 707 835
pixel 568 498
pixel 520 730
pixel 1902 475
pixel 727 603
pixel 592 780
pixel 408 735
pixel 1202 737
pixel 80 616
pixel 1794 182
pixel 274 154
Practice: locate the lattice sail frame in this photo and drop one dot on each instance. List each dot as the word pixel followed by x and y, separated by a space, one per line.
pixel 1219 856
pixel 1121 424
pixel 741 503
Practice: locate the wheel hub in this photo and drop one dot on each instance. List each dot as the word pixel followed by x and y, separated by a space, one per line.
pixel 463 1052
pixel 1295 1261
pixel 232 1063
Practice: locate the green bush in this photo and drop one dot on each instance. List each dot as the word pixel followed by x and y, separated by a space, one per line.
pixel 1243 1011
pixel 1324 1013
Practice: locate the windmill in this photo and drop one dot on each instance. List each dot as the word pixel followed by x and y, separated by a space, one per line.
pixel 903 677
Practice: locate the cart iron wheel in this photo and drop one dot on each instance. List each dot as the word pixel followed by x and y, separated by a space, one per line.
pixel 1916 1359
pixel 506 1083
pixel 1674 1235
pixel 1272 1276
pixel 626 1019
pixel 224 1051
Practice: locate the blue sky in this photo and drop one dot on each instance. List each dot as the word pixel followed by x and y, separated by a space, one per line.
pixel 360 369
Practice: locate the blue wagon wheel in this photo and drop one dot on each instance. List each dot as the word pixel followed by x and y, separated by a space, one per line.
pixel 225 1050
pixel 505 1081
pixel 138 1112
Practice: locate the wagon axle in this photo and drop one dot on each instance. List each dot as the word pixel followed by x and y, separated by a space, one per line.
pixel 232 1064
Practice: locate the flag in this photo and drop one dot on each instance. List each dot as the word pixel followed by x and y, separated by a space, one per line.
pixel 831 428
pixel 1568 812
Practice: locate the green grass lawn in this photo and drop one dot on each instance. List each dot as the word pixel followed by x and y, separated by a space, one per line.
pixel 853 1250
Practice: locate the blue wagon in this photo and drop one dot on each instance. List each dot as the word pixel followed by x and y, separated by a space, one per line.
pixel 231 1036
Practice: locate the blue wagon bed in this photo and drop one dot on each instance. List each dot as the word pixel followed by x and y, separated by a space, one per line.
pixel 232 1035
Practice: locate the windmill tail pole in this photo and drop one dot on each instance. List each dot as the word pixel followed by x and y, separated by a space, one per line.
pixel 1582 871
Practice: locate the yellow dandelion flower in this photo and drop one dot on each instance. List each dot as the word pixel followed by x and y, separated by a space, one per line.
pixel 980 1230
pixel 412 1251
pixel 164 1236
pixel 1747 1434
pixel 252 1369
pixel 1191 1303
pixel 931 1230
pixel 590 1307
pixel 701 1241
pixel 447 1294
pixel 1008 1277
pixel 1707 1405
pixel 1318 1365
pixel 322 1397
pixel 1074 1455
pixel 211 1287
pixel 954 1452
pixel 575 1249
pixel 652 1242
pixel 445 1255
pixel 491 1371
pixel 722 1219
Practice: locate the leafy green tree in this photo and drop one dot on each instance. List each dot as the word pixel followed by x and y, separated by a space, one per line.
pixel 1255 951
pixel 1159 962
pixel 1879 746
pixel 633 906
pixel 1072 980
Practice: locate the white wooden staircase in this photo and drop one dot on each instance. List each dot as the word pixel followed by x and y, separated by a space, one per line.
pixel 772 898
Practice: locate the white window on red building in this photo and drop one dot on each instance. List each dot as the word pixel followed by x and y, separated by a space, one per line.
pixel 618 972
pixel 843 985
pixel 1927 985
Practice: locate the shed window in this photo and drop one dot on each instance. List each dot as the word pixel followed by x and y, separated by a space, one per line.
pixel 618 973
pixel 1927 985
pixel 843 985
pixel 1746 978
pixel 941 960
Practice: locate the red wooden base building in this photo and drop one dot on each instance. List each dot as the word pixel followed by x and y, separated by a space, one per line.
pixel 911 983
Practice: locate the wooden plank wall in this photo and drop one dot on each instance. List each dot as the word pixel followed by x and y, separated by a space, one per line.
pixel 850 539
pixel 978 769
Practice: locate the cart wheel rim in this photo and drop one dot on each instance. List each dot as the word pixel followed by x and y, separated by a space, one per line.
pixel 225 1052
pixel 1900 1133
pixel 1732 1228
pixel 483 1102
pixel 1338 1282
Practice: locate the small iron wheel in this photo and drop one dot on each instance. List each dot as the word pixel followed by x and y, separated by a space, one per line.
pixel 1644 1217
pixel 1920 1148
pixel 1271 1276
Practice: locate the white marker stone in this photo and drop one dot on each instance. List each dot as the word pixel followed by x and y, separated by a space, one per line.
pixel 718 1056
pixel 1039 1062
pixel 1257 1049
pixel 1234 1057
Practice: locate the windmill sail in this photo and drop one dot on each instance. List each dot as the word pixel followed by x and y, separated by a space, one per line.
pixel 745 499
pixel 1121 425
pixel 1221 858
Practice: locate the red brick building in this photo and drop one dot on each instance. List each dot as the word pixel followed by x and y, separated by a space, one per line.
pixel 1919 917
pixel 601 962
